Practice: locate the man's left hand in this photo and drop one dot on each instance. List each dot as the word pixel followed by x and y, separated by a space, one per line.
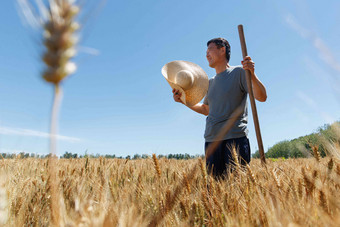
pixel 248 64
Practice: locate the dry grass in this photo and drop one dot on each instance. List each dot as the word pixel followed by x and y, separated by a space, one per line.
pixel 111 192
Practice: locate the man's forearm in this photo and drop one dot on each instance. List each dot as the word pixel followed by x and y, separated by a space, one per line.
pixel 200 108
pixel 259 89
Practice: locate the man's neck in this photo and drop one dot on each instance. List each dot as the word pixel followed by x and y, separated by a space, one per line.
pixel 221 67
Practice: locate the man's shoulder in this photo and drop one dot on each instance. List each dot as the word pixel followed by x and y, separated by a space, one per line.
pixel 236 68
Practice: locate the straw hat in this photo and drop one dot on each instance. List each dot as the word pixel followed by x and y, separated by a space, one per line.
pixel 189 78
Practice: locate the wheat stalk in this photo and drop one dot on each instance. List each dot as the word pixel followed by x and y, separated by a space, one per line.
pixel 4 214
pixel 172 199
pixel 316 153
pixel 203 172
pixel 251 174
pixel 323 201
pixel 187 185
pixel 276 179
pixel 183 206
pixel 330 165
pixel 235 156
pixel 156 164
pixel 57 21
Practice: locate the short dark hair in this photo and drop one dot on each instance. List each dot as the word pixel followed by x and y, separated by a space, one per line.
pixel 221 42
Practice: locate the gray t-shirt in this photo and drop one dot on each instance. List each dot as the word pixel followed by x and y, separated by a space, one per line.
pixel 226 92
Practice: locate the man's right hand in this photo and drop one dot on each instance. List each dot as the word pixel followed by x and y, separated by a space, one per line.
pixel 199 108
pixel 177 95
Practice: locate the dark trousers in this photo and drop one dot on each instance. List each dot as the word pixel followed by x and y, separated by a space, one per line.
pixel 221 161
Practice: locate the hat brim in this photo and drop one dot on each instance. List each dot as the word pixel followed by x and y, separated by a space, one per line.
pixel 196 93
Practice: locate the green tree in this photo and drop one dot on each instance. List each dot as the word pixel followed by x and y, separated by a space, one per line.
pixel 256 154
pixel 281 149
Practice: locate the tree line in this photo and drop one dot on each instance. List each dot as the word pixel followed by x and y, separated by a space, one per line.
pixel 69 155
pixel 297 148
pixel 302 147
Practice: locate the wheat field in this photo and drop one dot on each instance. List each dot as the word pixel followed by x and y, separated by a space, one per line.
pixel 154 192
pixel 163 192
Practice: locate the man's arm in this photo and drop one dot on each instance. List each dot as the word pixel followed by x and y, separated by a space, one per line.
pixel 259 89
pixel 199 108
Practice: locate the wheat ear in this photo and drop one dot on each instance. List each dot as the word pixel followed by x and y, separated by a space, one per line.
pixel 316 153
pixel 172 199
pixel 57 20
pixel 156 164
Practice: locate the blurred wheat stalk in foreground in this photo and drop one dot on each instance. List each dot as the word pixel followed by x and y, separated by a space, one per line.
pixel 55 19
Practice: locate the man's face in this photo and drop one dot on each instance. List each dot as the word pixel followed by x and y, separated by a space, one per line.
pixel 215 55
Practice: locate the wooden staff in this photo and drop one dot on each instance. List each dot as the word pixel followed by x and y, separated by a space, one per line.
pixel 251 96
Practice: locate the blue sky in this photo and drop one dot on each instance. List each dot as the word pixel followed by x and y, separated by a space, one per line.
pixel 118 101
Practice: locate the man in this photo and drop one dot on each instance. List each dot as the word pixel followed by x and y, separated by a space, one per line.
pixel 226 92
